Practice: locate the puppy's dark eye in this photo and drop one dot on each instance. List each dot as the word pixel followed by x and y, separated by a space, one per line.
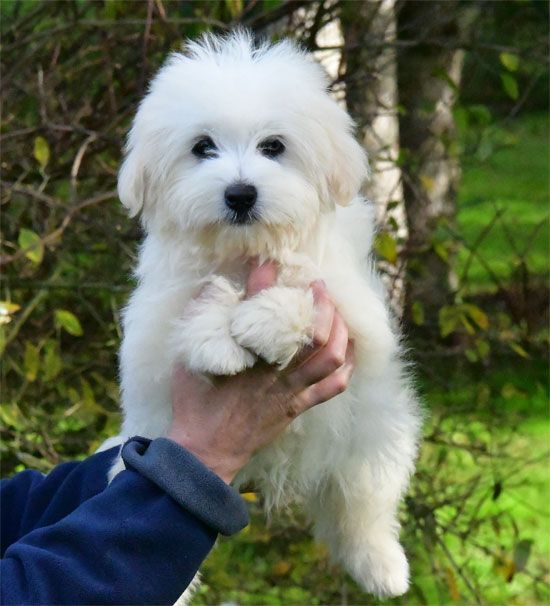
pixel 204 148
pixel 272 147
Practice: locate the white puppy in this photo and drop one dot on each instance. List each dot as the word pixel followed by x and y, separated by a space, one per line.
pixel 239 151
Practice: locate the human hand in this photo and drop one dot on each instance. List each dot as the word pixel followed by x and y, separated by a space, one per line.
pixel 223 422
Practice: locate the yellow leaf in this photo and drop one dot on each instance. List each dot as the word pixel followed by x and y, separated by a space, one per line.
pixel 41 151
pixel 251 497
pixel 281 568
pixel 478 316
pixel 505 567
pixel 386 247
pixel 428 183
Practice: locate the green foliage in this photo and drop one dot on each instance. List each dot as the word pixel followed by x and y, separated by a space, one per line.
pixel 513 179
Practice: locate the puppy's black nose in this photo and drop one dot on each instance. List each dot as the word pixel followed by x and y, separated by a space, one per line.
pixel 240 197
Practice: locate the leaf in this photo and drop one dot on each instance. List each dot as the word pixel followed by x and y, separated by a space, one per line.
pixel 510 61
pixel 449 319
pixel 471 355
pixel 7 309
pixel 519 350
pixel 69 322
pixel 417 312
pixel 506 568
pixel 31 243
pixel 483 348
pixel 428 183
pixel 251 497
pixel 467 325
pixel 478 316
pixel 510 85
pixel 11 415
pixel 41 151
pixel 386 247
pixel 51 364
pixel 481 114
pixel 88 397
pixel 281 568
pixel 31 361
pixel 522 550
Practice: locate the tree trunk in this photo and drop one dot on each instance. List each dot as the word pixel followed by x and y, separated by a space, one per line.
pixel 429 74
pixel 371 93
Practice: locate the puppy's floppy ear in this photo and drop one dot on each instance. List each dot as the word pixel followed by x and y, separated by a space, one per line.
pixel 132 181
pixel 349 166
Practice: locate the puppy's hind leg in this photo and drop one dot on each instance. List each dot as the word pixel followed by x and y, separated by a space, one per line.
pixel 202 339
pixel 357 519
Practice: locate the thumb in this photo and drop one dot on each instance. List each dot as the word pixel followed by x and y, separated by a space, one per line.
pixel 261 276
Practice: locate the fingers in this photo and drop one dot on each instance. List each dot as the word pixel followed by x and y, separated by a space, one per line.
pixel 326 359
pixel 322 324
pixel 261 277
pixel 329 387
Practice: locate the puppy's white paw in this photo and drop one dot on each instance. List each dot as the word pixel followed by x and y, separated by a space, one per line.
pixel 202 338
pixel 275 324
pixel 381 569
pixel 218 356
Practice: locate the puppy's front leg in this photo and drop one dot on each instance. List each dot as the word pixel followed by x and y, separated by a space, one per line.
pixel 275 324
pixel 202 338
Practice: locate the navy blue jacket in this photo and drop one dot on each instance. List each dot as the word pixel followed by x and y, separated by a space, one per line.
pixel 69 538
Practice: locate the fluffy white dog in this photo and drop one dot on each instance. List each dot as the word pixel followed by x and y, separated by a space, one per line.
pixel 238 151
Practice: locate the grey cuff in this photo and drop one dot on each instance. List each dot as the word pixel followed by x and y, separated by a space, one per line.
pixel 188 481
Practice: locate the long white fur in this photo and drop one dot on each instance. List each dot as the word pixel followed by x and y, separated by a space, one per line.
pixel 347 461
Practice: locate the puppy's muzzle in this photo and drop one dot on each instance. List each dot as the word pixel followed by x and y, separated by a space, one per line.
pixel 240 198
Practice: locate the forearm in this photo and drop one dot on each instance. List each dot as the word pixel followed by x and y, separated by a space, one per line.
pixel 134 543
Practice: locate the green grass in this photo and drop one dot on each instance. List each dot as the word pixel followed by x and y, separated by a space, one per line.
pixel 515 181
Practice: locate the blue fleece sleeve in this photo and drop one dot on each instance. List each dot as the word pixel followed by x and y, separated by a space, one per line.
pixel 138 541
pixel 31 499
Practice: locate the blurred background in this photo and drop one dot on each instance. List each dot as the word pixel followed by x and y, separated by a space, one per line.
pixel 451 102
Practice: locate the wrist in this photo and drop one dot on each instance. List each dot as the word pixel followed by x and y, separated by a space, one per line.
pixel 222 466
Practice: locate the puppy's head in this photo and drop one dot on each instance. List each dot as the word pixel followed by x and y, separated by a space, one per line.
pixel 241 143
